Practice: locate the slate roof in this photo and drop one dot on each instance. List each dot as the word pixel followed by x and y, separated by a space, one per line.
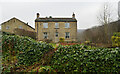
pixel 55 20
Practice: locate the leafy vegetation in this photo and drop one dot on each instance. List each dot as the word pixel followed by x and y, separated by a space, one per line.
pixel 32 56
pixel 27 50
pixel 61 39
pixel 82 58
pixel 116 39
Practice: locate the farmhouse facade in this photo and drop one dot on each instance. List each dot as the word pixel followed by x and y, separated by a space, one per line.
pixel 56 28
pixel 12 24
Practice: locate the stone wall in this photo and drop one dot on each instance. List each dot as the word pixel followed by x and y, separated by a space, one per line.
pixel 51 30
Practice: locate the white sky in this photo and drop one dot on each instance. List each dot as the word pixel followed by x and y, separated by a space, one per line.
pixel 86 10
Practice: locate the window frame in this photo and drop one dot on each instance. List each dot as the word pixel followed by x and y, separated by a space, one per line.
pixel 45 24
pixel 45 35
pixel 56 34
pixel 7 27
pixel 20 27
pixel 57 25
pixel 67 35
pixel 68 25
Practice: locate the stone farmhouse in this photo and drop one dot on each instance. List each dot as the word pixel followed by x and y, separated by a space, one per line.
pixel 45 28
pixel 56 28
pixel 13 23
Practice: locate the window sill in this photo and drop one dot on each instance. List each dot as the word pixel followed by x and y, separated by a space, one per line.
pixel 45 28
pixel 67 38
pixel 56 28
pixel 67 28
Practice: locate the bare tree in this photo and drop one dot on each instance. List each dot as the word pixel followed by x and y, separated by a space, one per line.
pixel 104 18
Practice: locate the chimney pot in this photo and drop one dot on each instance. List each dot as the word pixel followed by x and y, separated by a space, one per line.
pixel 38 15
pixel 73 16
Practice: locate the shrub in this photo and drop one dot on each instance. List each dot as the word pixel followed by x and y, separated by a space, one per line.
pixel 61 40
pixel 82 58
pixel 87 42
pixel 27 49
pixel 48 40
pixel 116 39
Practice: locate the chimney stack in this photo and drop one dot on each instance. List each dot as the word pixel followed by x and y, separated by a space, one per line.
pixel 73 16
pixel 38 15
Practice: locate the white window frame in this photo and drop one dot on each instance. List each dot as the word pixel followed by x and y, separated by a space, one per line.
pixel 56 25
pixel 20 27
pixel 67 34
pixel 67 25
pixel 45 35
pixel 45 25
pixel 7 27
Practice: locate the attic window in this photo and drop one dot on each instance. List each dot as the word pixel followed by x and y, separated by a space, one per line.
pixel 7 27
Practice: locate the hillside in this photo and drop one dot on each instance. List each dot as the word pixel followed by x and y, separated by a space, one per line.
pixel 80 37
pixel 100 34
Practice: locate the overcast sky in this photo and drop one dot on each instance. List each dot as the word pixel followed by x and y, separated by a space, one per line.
pixel 85 11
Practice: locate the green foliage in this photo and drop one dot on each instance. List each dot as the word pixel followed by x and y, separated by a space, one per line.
pixel 116 39
pixel 75 58
pixel 61 39
pixel 48 40
pixel 44 69
pixel 85 59
pixel 117 34
pixel 16 43
pixel 27 50
pixel 34 54
pixel 87 42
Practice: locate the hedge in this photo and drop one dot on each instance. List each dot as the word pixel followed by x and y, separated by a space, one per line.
pixel 26 49
pixel 80 58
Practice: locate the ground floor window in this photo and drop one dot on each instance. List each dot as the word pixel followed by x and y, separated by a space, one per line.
pixel 45 35
pixel 67 35
pixel 56 34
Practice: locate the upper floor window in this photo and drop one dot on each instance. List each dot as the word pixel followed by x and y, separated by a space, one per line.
pixel 20 27
pixel 67 25
pixel 7 27
pixel 45 25
pixel 56 25
pixel 56 34
pixel 67 35
pixel 45 35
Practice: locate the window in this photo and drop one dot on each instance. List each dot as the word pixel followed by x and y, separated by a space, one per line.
pixel 67 35
pixel 56 34
pixel 56 25
pixel 67 25
pixel 45 25
pixel 20 27
pixel 45 35
pixel 7 27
